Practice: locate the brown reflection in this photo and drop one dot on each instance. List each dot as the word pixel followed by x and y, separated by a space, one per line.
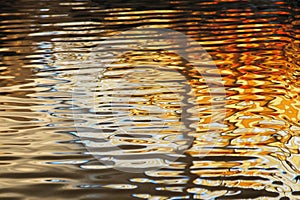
pixel 254 44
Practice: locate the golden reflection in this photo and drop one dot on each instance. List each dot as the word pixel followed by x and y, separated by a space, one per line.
pixel 256 49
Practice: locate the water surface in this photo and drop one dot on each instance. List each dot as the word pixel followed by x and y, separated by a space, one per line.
pixel 255 46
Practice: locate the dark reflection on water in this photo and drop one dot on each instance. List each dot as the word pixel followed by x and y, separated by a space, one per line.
pixel 255 45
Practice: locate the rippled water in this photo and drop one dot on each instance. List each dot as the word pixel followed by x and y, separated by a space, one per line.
pixel 254 44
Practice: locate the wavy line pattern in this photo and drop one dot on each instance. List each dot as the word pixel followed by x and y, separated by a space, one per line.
pixel 254 44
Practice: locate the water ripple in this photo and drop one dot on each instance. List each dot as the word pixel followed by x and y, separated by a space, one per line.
pixel 255 46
